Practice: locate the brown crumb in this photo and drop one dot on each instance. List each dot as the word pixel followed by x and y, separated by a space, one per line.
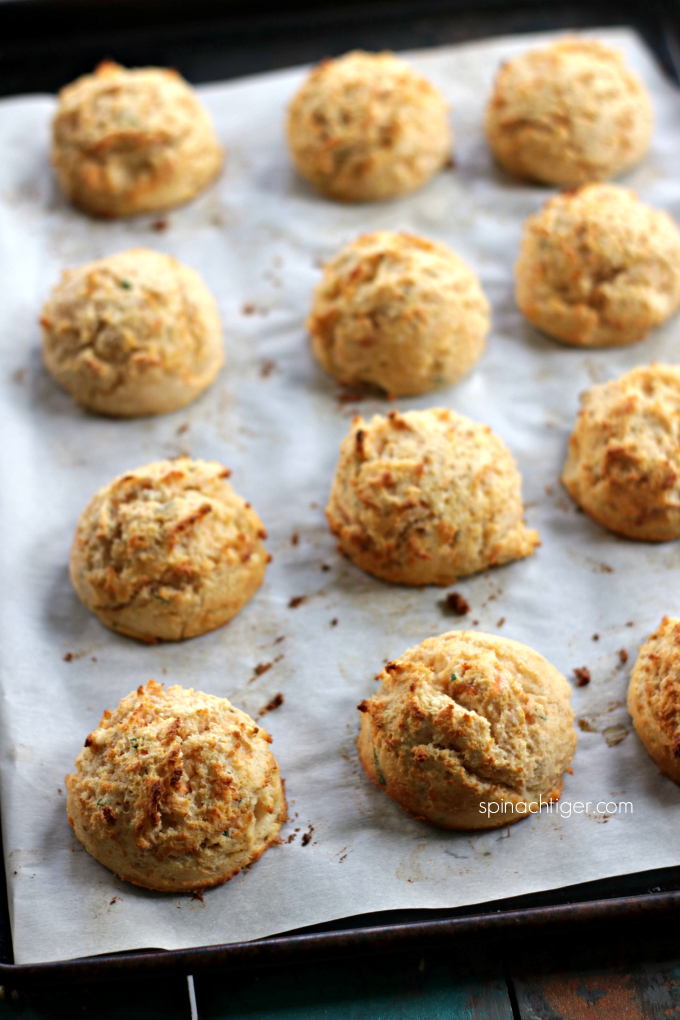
pixel 198 895
pixel 630 624
pixel 500 622
pixel 582 676
pixel 296 601
pixel 59 790
pixel 183 428
pixel 457 604
pixel 160 225
pixel 307 836
pixel 248 309
pixel 294 538
pixel 114 900
pixel 68 657
pixel 93 659
pixel 267 367
pixel 261 668
pixel 623 655
pixel 475 623
pixel 291 837
pixel 334 621
pixel 584 725
pixel 347 397
pixel 279 639
pixel 604 568
pixel 325 567
pixel 275 702
pixel 596 637
pixel 450 163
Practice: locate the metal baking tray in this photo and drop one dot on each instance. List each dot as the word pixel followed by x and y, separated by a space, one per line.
pixel 45 44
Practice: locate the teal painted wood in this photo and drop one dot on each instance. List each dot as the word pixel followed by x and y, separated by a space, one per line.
pixel 378 989
pixel 646 991
pixel 658 988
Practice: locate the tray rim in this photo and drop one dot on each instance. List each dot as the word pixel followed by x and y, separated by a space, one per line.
pixel 370 940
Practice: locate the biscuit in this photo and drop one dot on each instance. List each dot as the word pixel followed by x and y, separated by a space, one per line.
pixel 568 114
pixel 168 551
pixel 623 463
pixel 468 731
pixel 654 696
pixel 426 497
pixel 398 312
pixel 598 268
pixel 176 790
pixel 366 127
pixel 132 334
pixel 126 142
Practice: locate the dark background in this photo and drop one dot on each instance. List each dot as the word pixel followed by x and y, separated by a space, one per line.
pixel 46 43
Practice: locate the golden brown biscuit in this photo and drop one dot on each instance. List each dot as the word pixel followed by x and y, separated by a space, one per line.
pixel 176 790
pixel 132 141
pixel 366 127
pixel 568 114
pixel 168 551
pixel 399 312
pixel 654 696
pixel 426 497
pixel 132 334
pixel 598 268
pixel 623 465
pixel 468 731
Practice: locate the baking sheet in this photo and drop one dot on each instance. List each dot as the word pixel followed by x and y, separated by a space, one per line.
pixel 273 416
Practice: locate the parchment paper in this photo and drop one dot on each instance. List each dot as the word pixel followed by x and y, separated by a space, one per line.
pixel 274 418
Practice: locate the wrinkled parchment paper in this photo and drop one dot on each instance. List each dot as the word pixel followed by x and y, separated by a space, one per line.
pixel 274 418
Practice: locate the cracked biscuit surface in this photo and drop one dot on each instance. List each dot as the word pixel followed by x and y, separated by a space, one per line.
pixel 176 790
pixel 398 312
pixel 654 696
pixel 598 268
pixel 426 497
pixel 468 731
pixel 133 334
pixel 168 551
pixel 366 127
pixel 134 141
pixel 568 114
pixel 623 465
